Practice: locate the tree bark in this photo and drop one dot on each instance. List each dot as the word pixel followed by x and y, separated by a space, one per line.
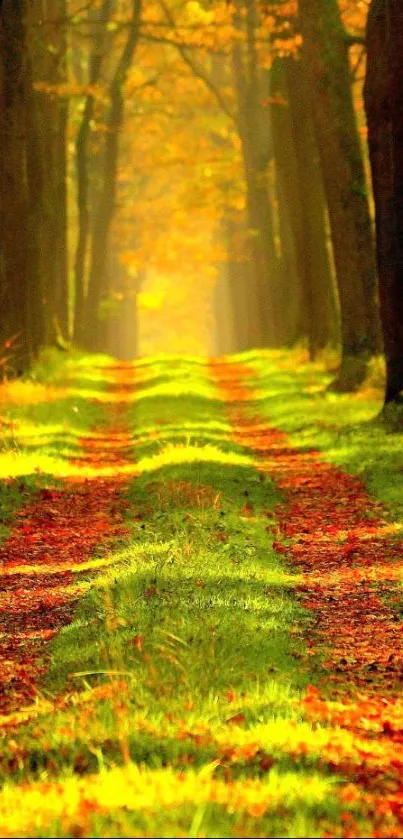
pixel 21 328
pixel 319 305
pixel 83 177
pixel 383 97
pixel 289 209
pixel 244 304
pixel 97 286
pixel 254 132
pixel 61 291
pixel 46 150
pixel 325 53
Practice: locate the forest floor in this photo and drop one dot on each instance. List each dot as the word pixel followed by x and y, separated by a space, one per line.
pixel 201 601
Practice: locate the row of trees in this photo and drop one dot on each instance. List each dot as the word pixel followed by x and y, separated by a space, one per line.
pixel 217 144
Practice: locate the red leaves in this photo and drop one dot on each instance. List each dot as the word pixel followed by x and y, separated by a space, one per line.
pixel 247 510
pixel 58 532
pixel 348 564
pixel 237 719
pixel 281 549
pixel 137 641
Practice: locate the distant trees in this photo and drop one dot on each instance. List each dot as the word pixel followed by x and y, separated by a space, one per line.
pixel 253 126
pixel 383 94
pixel 84 163
pixel 104 212
pixel 197 139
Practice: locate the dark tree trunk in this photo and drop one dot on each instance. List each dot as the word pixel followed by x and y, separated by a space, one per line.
pixel 97 285
pixel 309 216
pixel 48 49
pixel 21 328
pixel 327 65
pixel 241 283
pixel 395 28
pixel 254 132
pixel 61 291
pixel 83 177
pixel 290 216
pixel 383 96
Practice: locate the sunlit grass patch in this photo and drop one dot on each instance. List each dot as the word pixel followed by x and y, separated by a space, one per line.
pixel 200 801
pixel 22 393
pixel 342 426
pixel 172 704
pixel 182 453
pixel 178 666
pixel 176 389
pixel 44 419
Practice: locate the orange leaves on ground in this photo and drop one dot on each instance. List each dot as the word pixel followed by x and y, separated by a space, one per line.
pixel 337 538
pixel 59 530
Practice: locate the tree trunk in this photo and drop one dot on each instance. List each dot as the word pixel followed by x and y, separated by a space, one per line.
pixel 47 112
pixel 83 177
pixel 20 300
pixel 241 283
pixel 224 339
pixel 61 291
pixel 383 97
pixel 289 208
pixel 97 285
pixel 325 53
pixel 395 29
pixel 309 220
pixel 254 132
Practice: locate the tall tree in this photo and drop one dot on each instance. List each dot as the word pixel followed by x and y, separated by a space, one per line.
pixel 98 276
pixel 47 156
pixel 21 326
pixel 383 95
pixel 297 159
pixel 327 67
pixel 254 132
pixel 101 19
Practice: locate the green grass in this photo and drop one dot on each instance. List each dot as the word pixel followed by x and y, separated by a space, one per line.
pixel 185 657
pixel 44 414
pixel 343 427
pixel 171 704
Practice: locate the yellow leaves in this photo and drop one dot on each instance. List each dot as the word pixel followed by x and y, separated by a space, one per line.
pixel 27 809
pixel 197 14
pixel 238 202
pixel 137 78
pixel 151 300
pixel 66 90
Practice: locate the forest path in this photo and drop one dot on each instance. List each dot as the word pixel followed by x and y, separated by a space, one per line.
pixel 53 543
pixel 333 532
pixel 199 620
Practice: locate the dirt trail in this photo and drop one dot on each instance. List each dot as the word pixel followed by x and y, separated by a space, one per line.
pixel 51 539
pixel 334 533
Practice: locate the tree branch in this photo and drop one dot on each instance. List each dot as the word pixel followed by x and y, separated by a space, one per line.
pixel 198 70
pixel 351 39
